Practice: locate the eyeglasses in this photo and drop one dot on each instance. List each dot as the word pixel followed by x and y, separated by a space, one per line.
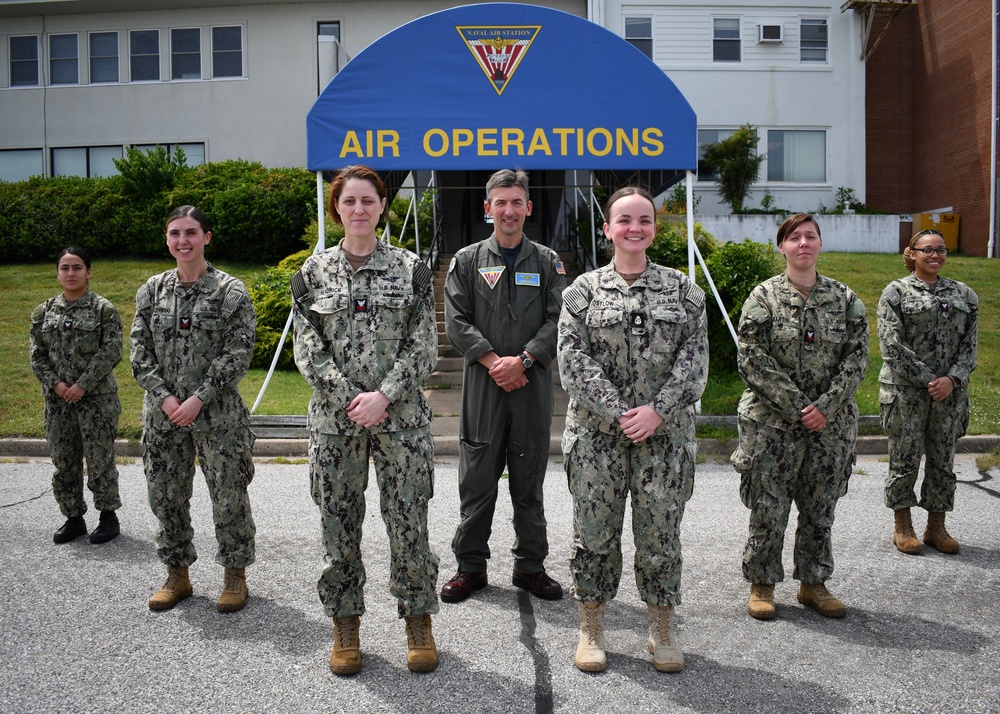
pixel 928 252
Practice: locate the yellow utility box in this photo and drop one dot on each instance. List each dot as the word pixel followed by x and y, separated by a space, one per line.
pixel 945 223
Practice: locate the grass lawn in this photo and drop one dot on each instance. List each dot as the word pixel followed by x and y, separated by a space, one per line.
pixel 25 286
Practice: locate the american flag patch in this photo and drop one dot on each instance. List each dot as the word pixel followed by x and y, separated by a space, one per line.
pixel 560 268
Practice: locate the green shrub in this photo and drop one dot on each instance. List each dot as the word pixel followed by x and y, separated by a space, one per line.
pixel 40 216
pixel 736 268
pixel 272 299
pixel 669 246
pixel 737 162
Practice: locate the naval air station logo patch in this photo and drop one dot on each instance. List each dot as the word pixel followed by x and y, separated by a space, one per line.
pixel 498 49
pixel 492 275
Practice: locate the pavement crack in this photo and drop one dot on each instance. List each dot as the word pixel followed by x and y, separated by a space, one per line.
pixel 25 500
pixel 543 669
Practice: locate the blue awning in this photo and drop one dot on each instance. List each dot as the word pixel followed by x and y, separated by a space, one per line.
pixel 496 85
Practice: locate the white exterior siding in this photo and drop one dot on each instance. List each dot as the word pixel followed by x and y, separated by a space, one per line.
pixel 770 87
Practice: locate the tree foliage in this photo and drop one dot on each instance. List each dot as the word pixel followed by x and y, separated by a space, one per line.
pixel 737 162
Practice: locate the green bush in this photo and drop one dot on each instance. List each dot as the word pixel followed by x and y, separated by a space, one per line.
pixel 254 212
pixel 736 268
pixel 40 216
pixel 270 292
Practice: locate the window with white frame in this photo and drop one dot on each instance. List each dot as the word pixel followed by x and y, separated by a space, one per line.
pixel 64 59
pixel 227 51
pixel 798 155
pixel 144 56
pixel 329 53
pixel 86 161
pixel 706 137
pixel 103 57
pixel 639 33
pixel 813 42
pixel 185 53
pixel 23 61
pixel 20 164
pixel 726 44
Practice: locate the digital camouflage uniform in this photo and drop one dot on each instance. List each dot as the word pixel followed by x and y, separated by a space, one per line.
pixel 517 312
pixel 365 331
pixel 80 343
pixel 925 332
pixel 793 354
pixel 196 342
pixel 621 347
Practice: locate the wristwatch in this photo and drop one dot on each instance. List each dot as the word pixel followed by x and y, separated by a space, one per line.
pixel 526 360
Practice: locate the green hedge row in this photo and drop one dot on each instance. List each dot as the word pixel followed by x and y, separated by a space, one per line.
pixel 255 213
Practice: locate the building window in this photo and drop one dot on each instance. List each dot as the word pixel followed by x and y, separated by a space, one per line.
pixel 227 51
pixel 87 162
pixel 185 54
pixel 103 57
pixel 194 154
pixel 639 33
pixel 726 39
pixel 330 53
pixel 144 55
pixel 706 137
pixel 64 63
pixel 20 164
pixel 24 61
pixel 796 156
pixel 813 41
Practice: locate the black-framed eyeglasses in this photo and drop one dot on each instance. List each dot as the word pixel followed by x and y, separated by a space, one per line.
pixel 927 252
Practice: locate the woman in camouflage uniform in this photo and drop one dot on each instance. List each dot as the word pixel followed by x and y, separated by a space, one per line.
pixel 192 340
pixel 76 341
pixel 803 350
pixel 633 356
pixel 927 331
pixel 366 339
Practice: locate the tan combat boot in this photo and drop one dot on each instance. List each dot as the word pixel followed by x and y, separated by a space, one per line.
pixel 590 656
pixel 667 656
pixel 937 536
pixel 819 599
pixel 904 537
pixel 761 603
pixel 234 590
pixel 346 655
pixel 422 655
pixel 176 588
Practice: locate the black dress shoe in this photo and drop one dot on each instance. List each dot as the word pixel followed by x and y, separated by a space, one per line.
pixel 72 529
pixel 107 529
pixel 538 584
pixel 462 585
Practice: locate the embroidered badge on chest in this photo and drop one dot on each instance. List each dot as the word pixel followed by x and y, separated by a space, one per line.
pixel 185 323
pixel 810 337
pixel 637 321
pixel 492 275
pixel 531 279
pixel 944 308
pixel 67 324
pixel 360 305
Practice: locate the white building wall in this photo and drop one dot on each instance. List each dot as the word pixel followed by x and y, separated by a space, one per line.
pixel 769 88
pixel 259 117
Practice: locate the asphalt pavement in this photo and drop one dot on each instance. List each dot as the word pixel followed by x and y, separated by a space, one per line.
pixel 921 634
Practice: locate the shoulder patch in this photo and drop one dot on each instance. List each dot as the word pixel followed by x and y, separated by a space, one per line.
pixel 299 289
pixel 856 308
pixel 891 293
pixel 755 311
pixel 232 302
pixel 971 297
pixel 695 295
pixel 575 299
pixel 422 277
pixel 142 299
pixel 38 314
pixel 452 264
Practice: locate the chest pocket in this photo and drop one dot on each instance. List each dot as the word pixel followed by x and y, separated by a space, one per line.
pixel 332 316
pixel 834 330
pixel 604 318
pixel 668 327
pixel 917 305
pixel 391 315
pixel 785 331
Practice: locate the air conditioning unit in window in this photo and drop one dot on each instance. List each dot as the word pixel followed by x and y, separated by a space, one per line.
pixel 769 34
